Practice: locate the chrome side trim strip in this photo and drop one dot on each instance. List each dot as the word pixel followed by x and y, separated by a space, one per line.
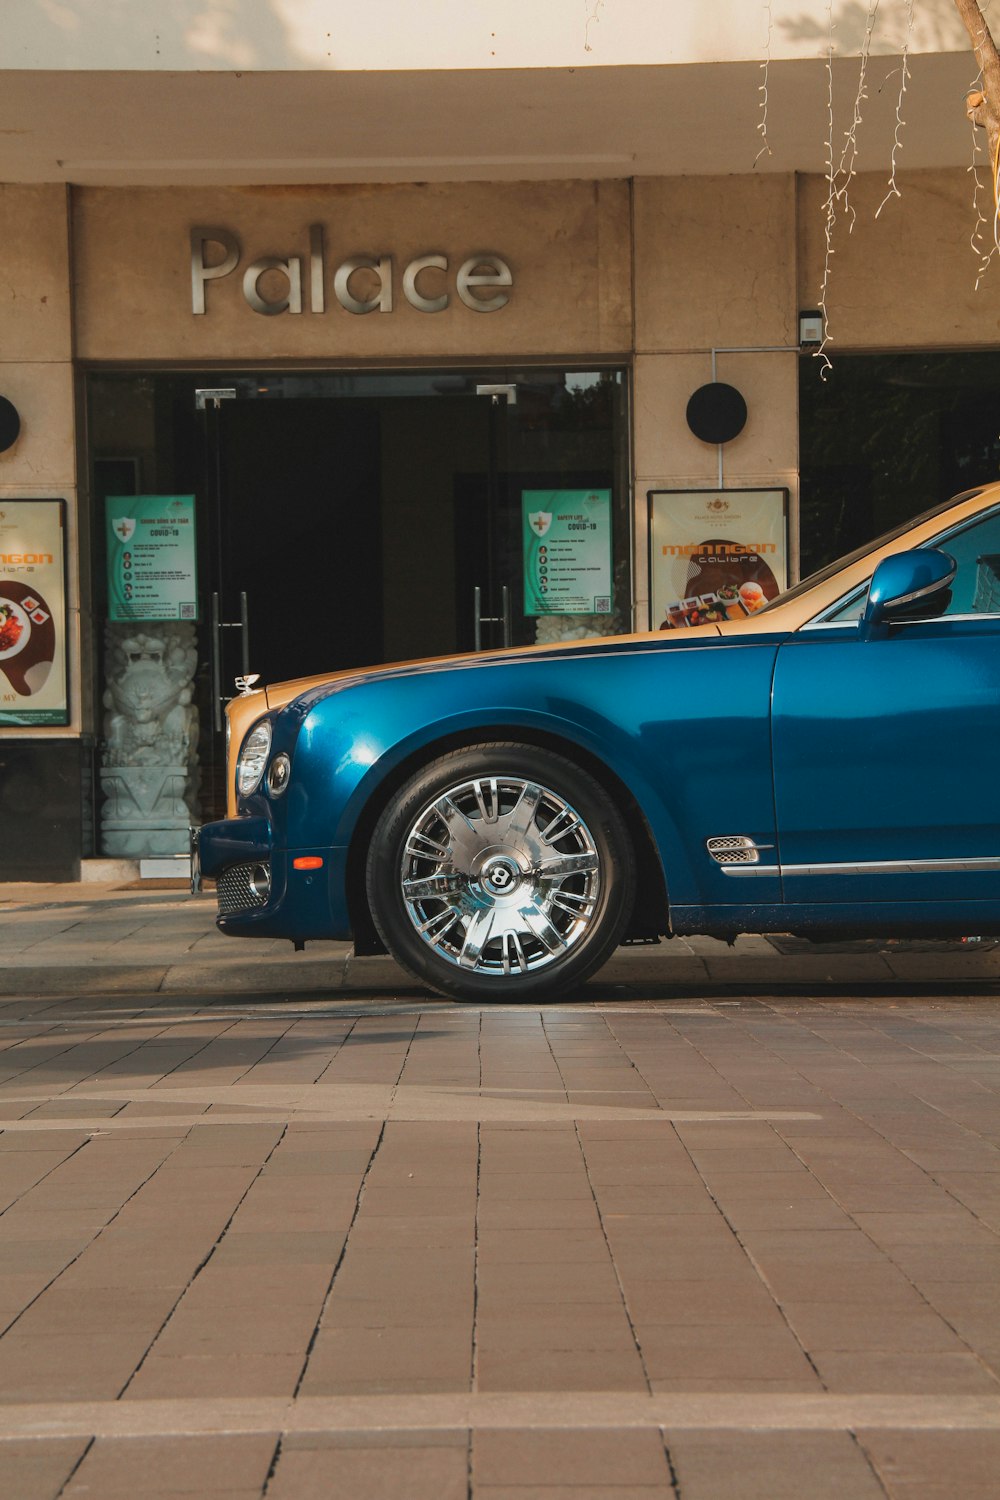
pixel 896 866
pixel 873 867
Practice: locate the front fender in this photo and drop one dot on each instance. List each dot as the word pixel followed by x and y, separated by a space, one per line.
pixel 686 731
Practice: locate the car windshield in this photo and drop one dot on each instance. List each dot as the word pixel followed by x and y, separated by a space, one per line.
pixel 859 552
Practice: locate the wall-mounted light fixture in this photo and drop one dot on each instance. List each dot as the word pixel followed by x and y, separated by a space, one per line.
pixel 717 412
pixel 810 328
pixel 10 424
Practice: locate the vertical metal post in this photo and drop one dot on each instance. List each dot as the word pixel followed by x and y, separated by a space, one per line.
pixel 245 633
pixel 216 666
pixel 505 611
pixel 477 617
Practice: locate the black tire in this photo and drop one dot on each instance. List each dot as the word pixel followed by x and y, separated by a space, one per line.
pixel 501 872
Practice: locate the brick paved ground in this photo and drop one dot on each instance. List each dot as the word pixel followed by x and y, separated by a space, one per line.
pixel 701 1247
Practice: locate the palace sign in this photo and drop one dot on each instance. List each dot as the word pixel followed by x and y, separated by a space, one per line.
pixel 426 280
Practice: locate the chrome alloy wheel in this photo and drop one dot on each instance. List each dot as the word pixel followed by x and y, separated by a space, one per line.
pixel 500 876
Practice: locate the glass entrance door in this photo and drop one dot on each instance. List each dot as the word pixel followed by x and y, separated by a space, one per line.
pixel 348 519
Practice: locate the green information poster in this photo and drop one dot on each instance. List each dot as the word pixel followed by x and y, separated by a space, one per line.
pixel 151 557
pixel 567 552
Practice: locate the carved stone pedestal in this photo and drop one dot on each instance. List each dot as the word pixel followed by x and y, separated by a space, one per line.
pixel 147 809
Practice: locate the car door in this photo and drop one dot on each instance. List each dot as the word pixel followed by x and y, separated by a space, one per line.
pixel 885 749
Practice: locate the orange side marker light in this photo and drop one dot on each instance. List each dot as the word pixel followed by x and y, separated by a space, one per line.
pixel 308 862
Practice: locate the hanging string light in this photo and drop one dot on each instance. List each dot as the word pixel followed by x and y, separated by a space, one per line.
pixel 830 212
pixel 897 137
pixel 765 148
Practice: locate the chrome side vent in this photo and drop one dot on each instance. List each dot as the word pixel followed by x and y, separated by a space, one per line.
pixel 733 849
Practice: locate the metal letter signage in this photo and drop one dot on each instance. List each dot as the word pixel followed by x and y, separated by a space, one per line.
pixel 424 278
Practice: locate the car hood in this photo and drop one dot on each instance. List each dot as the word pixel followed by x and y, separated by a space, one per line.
pixel 774 621
pixel 244 710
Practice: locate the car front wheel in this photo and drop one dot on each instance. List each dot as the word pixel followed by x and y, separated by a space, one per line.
pixel 501 872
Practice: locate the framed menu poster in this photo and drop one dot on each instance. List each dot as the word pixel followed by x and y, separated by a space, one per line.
pixel 715 554
pixel 33 686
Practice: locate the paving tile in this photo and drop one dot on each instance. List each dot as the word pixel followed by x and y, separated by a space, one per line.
pixel 238 1330
pixel 935 1465
pixel 548 1284
pixel 65 1311
pixel 30 1470
pixel 676 1351
pixel 298 1247
pixel 735 1302
pixel 372 1472
pixel 541 1247
pixel 68 1367
pixel 915 1374
pixel 772 1466
pixel 575 1492
pixel 958 1227
pixel 212 1375
pixel 575 1369
pixel 513 1329
pixel 569 1213
pixel 570 1457
pixel 373 1359
pixel 865 1326
pixel 190 1465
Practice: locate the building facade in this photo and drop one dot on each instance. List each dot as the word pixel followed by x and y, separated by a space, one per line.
pixel 294 351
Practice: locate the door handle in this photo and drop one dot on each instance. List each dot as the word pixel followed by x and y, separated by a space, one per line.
pixel 218 626
pixel 479 619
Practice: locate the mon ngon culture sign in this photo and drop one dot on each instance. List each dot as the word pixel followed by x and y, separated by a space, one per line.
pixel 473 280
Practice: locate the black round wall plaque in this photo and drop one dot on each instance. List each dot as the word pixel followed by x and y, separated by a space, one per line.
pixel 10 424
pixel 716 412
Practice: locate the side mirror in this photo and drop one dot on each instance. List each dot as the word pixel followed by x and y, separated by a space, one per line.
pixel 904 587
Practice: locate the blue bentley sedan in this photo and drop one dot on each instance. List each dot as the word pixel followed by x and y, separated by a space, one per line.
pixel 827 766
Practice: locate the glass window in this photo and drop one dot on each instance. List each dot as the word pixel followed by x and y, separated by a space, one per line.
pixel 884 435
pixel 976 549
pixel 976 590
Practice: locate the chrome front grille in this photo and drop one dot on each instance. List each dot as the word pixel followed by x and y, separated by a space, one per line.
pixel 239 888
pixel 733 849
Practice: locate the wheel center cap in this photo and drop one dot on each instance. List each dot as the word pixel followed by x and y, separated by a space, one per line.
pixel 500 875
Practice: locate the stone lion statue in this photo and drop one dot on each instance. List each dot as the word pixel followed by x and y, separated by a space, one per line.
pixel 150 719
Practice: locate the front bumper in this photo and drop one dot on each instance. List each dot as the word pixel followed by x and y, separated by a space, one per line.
pixel 262 894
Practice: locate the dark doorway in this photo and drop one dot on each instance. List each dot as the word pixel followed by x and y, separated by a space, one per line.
pixel 298 520
pixel 350 518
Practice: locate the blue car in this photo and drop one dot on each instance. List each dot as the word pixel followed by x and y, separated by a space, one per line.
pixel 499 823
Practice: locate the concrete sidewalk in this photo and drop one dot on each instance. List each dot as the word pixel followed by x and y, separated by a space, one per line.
pixel 89 939
pixel 371 1247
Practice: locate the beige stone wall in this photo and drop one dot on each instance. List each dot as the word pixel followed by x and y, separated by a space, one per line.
pixel 906 280
pixel 567 244
pixel 712 275
pixel 670 271
pixel 36 374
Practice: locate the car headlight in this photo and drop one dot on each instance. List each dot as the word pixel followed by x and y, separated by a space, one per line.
pixel 278 773
pixel 253 758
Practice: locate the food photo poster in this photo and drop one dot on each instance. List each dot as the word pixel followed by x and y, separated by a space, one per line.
pixel 33 689
pixel 715 555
